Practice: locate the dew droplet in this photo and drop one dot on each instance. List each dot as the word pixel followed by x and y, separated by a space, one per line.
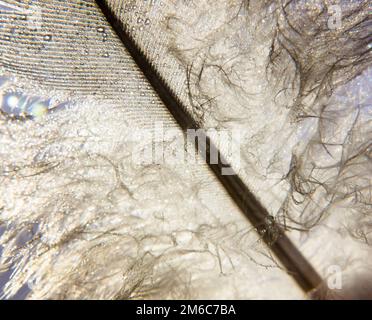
pixel 12 101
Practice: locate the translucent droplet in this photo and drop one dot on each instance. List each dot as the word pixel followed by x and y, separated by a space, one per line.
pixel 12 101
pixel 38 109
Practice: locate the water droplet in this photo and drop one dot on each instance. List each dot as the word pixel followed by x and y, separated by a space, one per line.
pixel 38 109
pixel 12 101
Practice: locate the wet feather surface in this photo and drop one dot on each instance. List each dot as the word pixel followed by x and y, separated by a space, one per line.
pixel 71 201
